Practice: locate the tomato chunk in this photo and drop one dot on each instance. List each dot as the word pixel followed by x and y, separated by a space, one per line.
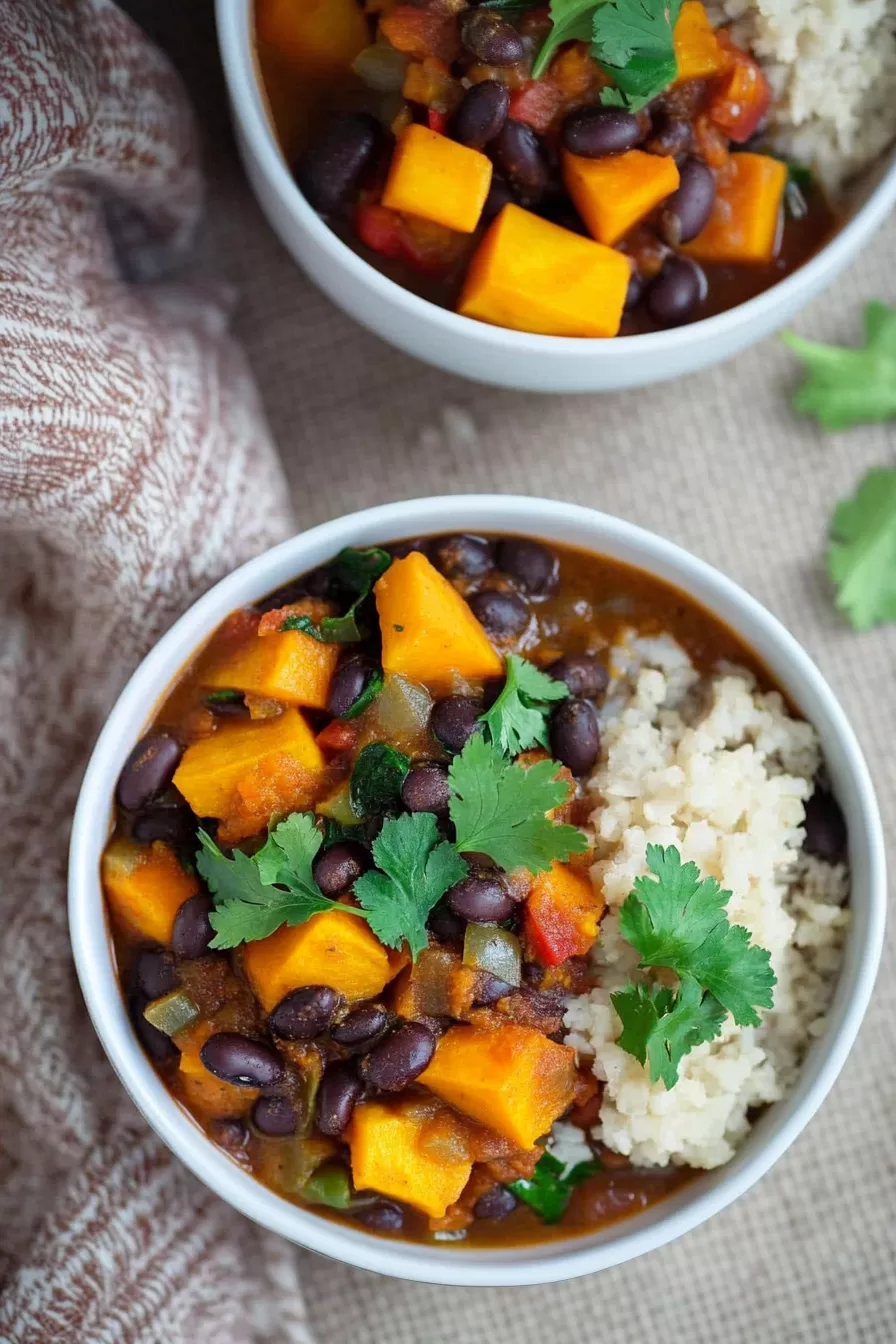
pixel 742 98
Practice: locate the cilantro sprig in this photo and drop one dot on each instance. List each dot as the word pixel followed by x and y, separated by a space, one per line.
pixel 550 1187
pixel 631 40
pixel 845 387
pixel 861 558
pixel 417 870
pixel 676 919
pixel 518 718
pixel 498 808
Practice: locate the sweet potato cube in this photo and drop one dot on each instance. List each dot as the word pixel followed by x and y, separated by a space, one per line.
pixel 211 769
pixel 429 632
pixel 145 886
pixel 512 1079
pixel 315 37
pixel 531 275
pixel 561 914
pixel 698 52
pixel 745 222
pixel 333 948
pixel 436 178
pixel 285 665
pixel 613 194
pixel 390 1154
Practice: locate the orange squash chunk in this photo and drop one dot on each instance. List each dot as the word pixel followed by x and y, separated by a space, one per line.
pixel 333 948
pixel 315 37
pixel 436 178
pixel 698 52
pixel 512 1079
pixel 613 194
pixel 145 886
pixel 211 769
pixel 531 275
pixel 405 1151
pixel 745 222
pixel 429 632
pixel 284 665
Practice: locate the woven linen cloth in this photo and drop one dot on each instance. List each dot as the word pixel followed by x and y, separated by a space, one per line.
pixel 117 507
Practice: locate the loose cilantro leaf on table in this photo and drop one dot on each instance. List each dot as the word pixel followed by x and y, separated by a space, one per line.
pixel 355 570
pixel 660 1025
pixel 518 718
pixel 498 809
pixel 846 387
pixel 861 558
pixel 550 1188
pixel 417 870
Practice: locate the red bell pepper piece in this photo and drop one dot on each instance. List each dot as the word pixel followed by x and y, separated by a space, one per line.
pixel 536 103
pixel 741 99
pixel 339 735
pixel 436 121
pixel 380 229
pixel 561 915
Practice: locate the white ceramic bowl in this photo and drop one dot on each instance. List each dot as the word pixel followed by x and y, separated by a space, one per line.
pixel 551 521
pixel 494 354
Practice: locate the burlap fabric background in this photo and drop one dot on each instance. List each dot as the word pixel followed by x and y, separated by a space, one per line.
pixel 717 463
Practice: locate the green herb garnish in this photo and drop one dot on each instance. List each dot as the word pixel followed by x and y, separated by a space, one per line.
pixel 518 718
pixel 550 1188
pixel 861 558
pixel 355 571
pixel 417 869
pixel 846 387
pixel 676 919
pixel 377 779
pixel 631 40
pixel 222 697
pixel 254 896
pixel 498 809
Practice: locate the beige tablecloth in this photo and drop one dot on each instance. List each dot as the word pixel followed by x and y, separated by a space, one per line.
pixel 717 463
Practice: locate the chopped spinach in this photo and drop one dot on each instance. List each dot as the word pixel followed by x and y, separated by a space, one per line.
pixel 377 779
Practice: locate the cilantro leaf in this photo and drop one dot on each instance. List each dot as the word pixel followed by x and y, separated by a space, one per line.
pixel 846 387
pixel 355 570
pixel 633 42
pixel 518 718
pixel 417 870
pixel 677 919
pixel 550 1187
pixel 861 558
pixel 659 1027
pixel 248 904
pixel 498 809
pixel 572 20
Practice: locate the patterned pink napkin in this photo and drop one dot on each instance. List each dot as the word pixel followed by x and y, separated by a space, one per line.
pixel 135 469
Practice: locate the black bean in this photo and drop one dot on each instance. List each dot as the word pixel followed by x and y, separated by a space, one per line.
pixel 157 1045
pixel 490 989
pixel 361 1026
pixel 583 674
pixel 673 137
pixel 635 291
pixel 275 1116
pixel 304 1013
pixel 241 1060
pixel 686 211
pixel 337 1096
pixel 339 867
pixel 490 39
pixel 454 720
pixel 348 683
pixel 174 822
pixel 155 972
pixel 192 928
pixel 499 195
pixel 148 771
pixel 575 738
pixel 826 835
pixel 518 154
pixel 503 615
pixel 495 1203
pixel 399 549
pixel 482 900
pixel 535 567
pixel 444 924
pixel 462 557
pixel 329 170
pixel 675 293
pixel 482 113
pixel 400 1058
pixel 425 789
pixel 231 1135
pixel 595 132
pixel 383 1218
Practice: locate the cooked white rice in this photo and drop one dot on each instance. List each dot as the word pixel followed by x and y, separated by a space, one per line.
pixel 722 771
pixel 832 68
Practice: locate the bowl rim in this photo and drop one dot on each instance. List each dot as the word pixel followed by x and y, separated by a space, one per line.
pixel 235 39
pixel 538 1263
